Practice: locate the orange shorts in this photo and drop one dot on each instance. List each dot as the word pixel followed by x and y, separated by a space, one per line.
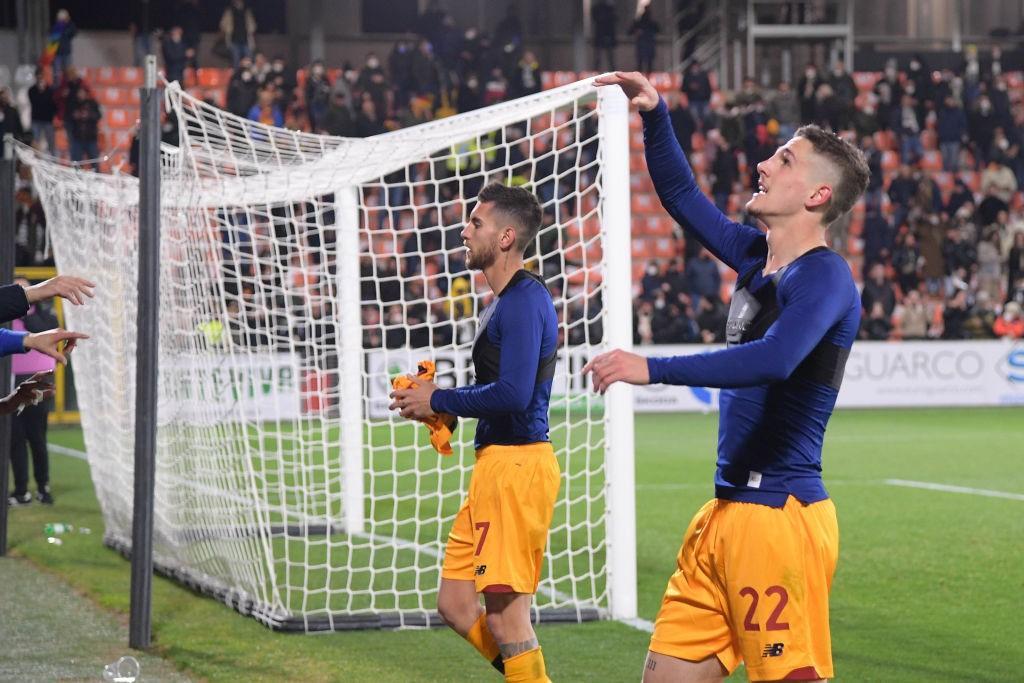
pixel 752 586
pixel 499 534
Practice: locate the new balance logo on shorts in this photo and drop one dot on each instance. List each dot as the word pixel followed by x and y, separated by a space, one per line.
pixel 773 649
pixel 480 569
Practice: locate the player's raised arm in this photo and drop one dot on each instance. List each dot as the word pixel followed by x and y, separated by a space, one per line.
pixel 673 179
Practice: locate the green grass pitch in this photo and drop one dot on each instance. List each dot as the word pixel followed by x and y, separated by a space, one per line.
pixel 929 587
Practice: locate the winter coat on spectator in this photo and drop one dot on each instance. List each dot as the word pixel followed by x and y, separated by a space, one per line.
pixel 702 277
pixel 697 86
pixel 84 119
pixel 878 293
pixel 42 99
pixel 952 124
pixel 914 319
pixel 684 126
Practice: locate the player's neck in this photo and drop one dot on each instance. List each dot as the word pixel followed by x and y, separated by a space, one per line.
pixel 499 273
pixel 789 243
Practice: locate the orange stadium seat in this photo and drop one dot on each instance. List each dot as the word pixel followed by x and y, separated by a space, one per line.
pixel 661 80
pixel 931 161
pixel 890 160
pixel 120 118
pixel 111 97
pixel 212 78
pixel 644 203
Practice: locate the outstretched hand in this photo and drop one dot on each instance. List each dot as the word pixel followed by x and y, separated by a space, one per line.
pixel 617 366
pixel 74 289
pixel 30 392
pixel 50 343
pixel 638 89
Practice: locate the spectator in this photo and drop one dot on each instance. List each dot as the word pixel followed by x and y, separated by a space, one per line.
pixel 724 172
pixel 952 130
pixel 283 78
pixel 43 102
pixel 82 126
pixel 960 196
pixel 711 320
pixel 643 318
pixel 683 123
pixel 955 316
pixel 1015 263
pixel 807 89
pixel 889 92
pixel 909 129
pixel 998 184
pixel 878 290
pixel 509 30
pixel 906 259
pixel 651 281
pixel 989 261
pixel 495 88
pixel 878 234
pixel 242 89
pixel 1010 325
pixel 61 35
pixel 368 123
pixel 697 87
pixel 339 119
pixel 865 120
pixel 239 28
pixel 188 15
pixel 645 30
pixel 318 94
pixel 876 326
pixel 785 109
pixel 425 75
pixel 525 79
pixel 902 190
pixel 10 120
pixel 265 110
pixel 981 125
pixel 845 91
pixel 981 318
pixel 30 242
pixel 28 427
pixel 176 55
pixel 912 318
pixel 604 19
pixel 702 276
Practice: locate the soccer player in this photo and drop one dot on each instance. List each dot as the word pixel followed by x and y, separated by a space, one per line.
pixel 757 561
pixel 496 545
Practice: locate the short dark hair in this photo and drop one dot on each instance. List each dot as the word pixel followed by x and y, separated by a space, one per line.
pixel 848 160
pixel 518 206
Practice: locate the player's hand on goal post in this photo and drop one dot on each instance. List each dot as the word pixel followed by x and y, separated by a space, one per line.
pixel 642 95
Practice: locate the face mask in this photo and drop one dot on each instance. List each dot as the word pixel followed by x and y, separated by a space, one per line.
pixel 373 63
pixel 652 270
pixel 915 65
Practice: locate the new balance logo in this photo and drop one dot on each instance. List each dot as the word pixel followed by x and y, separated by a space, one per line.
pixel 480 570
pixel 773 649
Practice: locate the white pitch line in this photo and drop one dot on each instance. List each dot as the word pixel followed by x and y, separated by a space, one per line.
pixel 64 450
pixel 954 489
pixel 639 624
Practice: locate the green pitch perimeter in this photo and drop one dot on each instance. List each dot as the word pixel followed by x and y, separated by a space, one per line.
pixel 929 587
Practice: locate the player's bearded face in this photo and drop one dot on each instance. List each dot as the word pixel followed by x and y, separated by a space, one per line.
pixel 480 237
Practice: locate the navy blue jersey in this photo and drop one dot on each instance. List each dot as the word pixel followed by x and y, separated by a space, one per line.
pixel 514 363
pixel 789 334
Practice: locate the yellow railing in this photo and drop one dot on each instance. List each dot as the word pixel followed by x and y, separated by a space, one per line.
pixel 60 413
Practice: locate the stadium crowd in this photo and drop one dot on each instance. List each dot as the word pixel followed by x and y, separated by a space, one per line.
pixel 939 243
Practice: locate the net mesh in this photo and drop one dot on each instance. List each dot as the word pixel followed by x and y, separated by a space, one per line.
pixel 299 274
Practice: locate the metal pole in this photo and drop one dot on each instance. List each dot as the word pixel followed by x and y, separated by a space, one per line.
pixel 146 355
pixel 6 276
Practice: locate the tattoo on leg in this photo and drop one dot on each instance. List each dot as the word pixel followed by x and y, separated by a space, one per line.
pixel 510 650
pixel 651 664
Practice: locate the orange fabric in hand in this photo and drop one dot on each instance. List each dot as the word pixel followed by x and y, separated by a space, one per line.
pixel 440 425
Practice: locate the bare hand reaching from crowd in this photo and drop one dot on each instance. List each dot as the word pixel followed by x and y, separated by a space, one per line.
pixel 638 89
pixel 49 343
pixel 36 388
pixel 74 289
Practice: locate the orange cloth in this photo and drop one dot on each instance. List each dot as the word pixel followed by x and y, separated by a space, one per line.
pixel 440 425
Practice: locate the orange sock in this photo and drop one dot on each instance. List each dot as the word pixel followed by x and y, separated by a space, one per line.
pixel 480 637
pixel 527 667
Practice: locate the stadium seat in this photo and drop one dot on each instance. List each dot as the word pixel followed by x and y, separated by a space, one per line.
pixel 644 203
pixel 661 80
pixel 212 78
pixel 931 160
pixel 890 160
pixel 120 118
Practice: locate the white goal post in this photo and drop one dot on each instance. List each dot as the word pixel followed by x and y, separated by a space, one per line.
pixel 299 274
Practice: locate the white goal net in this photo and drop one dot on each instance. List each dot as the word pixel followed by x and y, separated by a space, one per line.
pixel 299 274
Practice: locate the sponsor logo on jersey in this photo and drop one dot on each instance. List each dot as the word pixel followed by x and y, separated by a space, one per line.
pixel 773 650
